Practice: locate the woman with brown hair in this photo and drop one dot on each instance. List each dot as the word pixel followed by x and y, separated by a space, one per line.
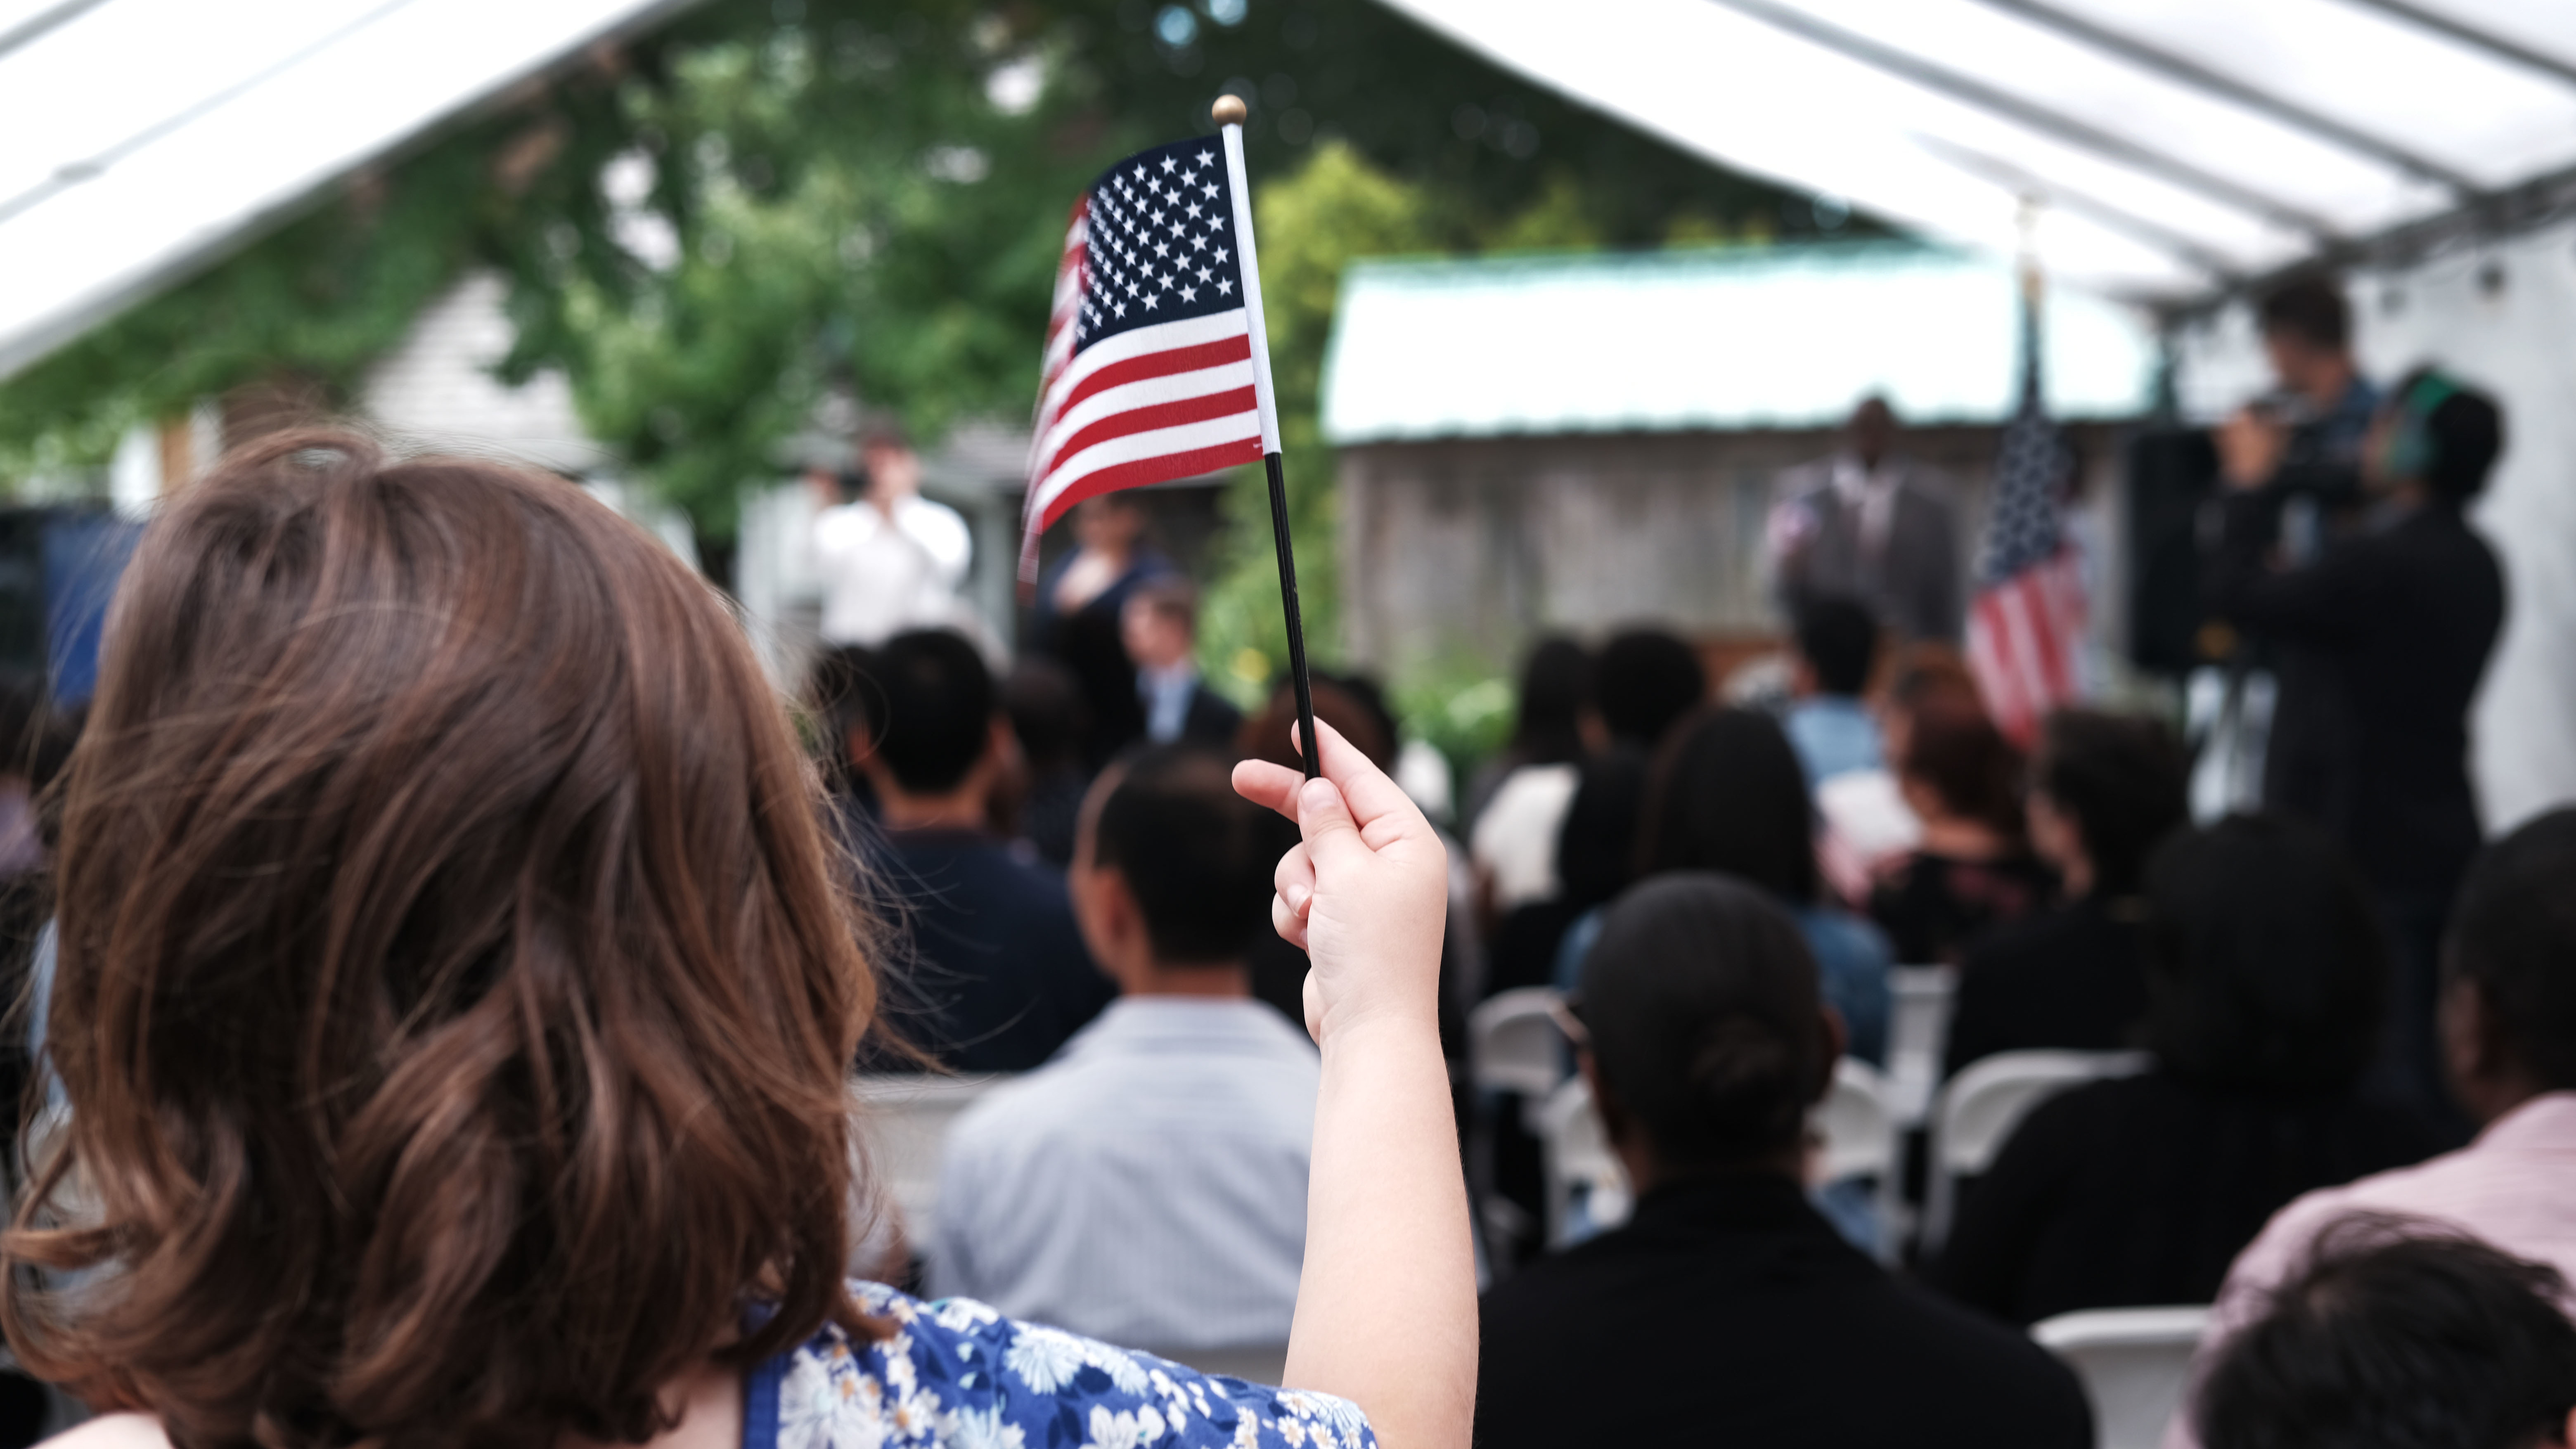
pixel 454 1001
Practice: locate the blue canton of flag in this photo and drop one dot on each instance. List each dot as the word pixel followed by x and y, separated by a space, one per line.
pixel 1160 245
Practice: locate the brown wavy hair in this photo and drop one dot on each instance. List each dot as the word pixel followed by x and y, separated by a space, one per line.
pixel 454 993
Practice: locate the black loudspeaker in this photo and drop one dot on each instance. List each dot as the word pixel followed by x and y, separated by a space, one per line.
pixel 22 591
pixel 2172 472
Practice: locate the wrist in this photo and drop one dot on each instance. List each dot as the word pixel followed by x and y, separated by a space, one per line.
pixel 1379 1032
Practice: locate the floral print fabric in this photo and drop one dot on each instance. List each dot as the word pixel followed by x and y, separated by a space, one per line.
pixel 957 1375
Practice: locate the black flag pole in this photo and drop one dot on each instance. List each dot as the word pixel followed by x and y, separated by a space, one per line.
pixel 1229 113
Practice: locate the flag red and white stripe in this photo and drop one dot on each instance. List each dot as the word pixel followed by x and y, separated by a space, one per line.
pixel 1125 400
pixel 2025 641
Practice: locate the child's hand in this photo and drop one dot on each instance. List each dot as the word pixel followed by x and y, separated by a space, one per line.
pixel 1365 893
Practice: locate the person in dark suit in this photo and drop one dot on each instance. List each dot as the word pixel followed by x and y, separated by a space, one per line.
pixel 1159 624
pixel 996 977
pixel 2266 971
pixel 1871 524
pixel 2393 624
pixel 1727 1311
pixel 2104 788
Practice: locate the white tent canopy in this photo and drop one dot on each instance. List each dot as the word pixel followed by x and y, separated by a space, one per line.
pixel 140 138
pixel 2173 146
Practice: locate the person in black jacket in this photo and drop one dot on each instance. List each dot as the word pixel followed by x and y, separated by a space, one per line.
pixel 2393 625
pixel 2104 788
pixel 1727 1311
pixel 2266 970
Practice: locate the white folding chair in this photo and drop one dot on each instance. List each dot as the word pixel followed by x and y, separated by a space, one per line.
pixel 1918 1034
pixel 904 1122
pixel 1981 1106
pixel 1514 1044
pixel 1576 1153
pixel 1861 1137
pixel 2135 1363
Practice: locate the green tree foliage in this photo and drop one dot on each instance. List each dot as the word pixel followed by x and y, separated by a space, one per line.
pixel 771 198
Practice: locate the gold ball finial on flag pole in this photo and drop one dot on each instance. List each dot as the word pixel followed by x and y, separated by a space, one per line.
pixel 1228 110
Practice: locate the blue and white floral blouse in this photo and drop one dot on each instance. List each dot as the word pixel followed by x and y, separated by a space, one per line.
pixel 957 1375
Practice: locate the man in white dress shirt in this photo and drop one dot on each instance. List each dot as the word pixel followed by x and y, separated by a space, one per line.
pixel 1148 1185
pixel 891 560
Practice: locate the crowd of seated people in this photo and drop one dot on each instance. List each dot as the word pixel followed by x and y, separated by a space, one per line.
pixel 460 972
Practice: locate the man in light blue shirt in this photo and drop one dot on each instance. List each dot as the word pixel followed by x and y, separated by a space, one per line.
pixel 1147 1186
pixel 1833 732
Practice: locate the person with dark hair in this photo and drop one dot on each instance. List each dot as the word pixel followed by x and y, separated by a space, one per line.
pixel 1148 1184
pixel 2104 789
pixel 1837 647
pixel 2385 637
pixel 997 977
pixel 1513 829
pixel 1045 709
pixel 2265 977
pixel 1159 625
pixel 1971 870
pixel 2390 1337
pixel 1643 682
pixel 1726 795
pixel 2509 1045
pixel 1727 1310
pixel 455 1008
pixel 1872 524
pixel 1078 617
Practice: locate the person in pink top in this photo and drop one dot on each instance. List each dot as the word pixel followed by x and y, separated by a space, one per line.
pixel 2509 1043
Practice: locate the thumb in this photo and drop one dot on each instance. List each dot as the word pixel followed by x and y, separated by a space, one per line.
pixel 1324 819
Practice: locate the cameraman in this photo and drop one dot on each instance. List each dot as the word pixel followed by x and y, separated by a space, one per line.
pixel 2384 633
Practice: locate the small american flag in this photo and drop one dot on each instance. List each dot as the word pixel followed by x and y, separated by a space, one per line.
pixel 2026 626
pixel 1149 371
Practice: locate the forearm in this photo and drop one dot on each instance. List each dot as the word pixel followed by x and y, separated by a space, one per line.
pixel 1386 1307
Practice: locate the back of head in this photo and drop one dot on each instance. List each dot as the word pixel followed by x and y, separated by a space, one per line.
pixel 2266 967
pixel 1045 706
pixel 1839 640
pixel 2310 309
pixel 1266 736
pixel 2443 433
pixel 2513 933
pixel 2394 1337
pixel 1727 795
pixel 2122 778
pixel 1556 683
pixel 938 703
pixel 453 998
pixel 1196 856
pixel 1966 762
pixel 1643 681
pixel 1701 1003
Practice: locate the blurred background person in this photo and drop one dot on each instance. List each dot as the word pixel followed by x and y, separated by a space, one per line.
pixel 1078 617
pixel 1148 1184
pixel 1159 625
pixel 1835 647
pixel 2104 789
pixel 889 558
pixel 2385 635
pixel 2302 443
pixel 1866 828
pixel 1045 710
pixel 997 977
pixel 1518 816
pixel 1870 524
pixel 1971 869
pixel 1726 795
pixel 1547 723
pixel 2266 976
pixel 1726 1310
pixel 2509 1043
pixel 2390 1337
pixel 1644 681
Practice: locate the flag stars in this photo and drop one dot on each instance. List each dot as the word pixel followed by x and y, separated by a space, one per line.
pixel 1194 211
pixel 1204 274
pixel 1149 303
pixel 1169 163
pixel 1209 190
pixel 1205 158
pixel 1120 307
pixel 1225 286
pixel 1189 294
pixel 1162 249
pixel 1198 243
pixel 1220 254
